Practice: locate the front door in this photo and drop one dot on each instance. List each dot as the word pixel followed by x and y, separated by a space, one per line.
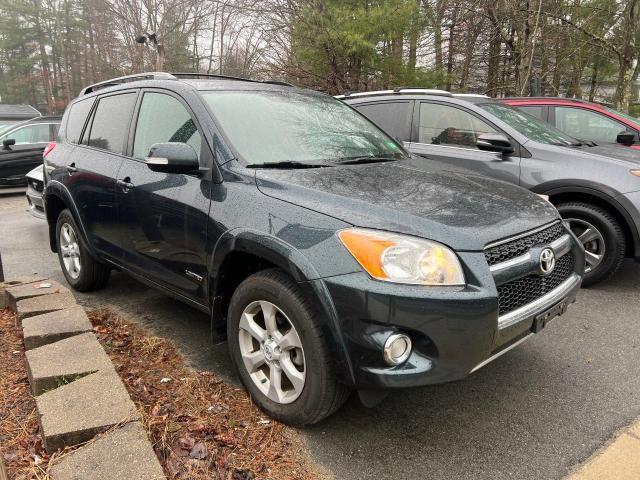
pixel 447 135
pixel 163 216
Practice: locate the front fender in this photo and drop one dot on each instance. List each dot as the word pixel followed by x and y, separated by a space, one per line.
pixel 286 257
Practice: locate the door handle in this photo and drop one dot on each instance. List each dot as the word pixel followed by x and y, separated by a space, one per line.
pixel 125 184
pixel 72 169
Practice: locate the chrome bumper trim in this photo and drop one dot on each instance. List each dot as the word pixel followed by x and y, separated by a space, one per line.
pixel 540 304
pixel 500 353
pixel 528 263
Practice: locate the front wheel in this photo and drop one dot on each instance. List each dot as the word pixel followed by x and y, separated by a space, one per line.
pixel 601 236
pixel 279 352
pixel 81 270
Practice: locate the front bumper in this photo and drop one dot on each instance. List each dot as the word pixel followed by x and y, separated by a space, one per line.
pixel 455 330
pixel 35 202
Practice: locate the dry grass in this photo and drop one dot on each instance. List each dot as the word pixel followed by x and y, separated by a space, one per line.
pixel 20 444
pixel 201 427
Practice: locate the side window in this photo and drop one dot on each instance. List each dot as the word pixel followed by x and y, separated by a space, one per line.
pixel 446 125
pixel 392 117
pixel 77 117
pixel 162 118
pixel 110 126
pixel 535 110
pixel 587 125
pixel 36 133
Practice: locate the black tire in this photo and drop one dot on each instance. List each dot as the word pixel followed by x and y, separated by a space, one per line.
pixel 611 231
pixel 321 394
pixel 92 274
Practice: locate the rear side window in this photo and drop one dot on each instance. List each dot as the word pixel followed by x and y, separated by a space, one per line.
pixel 392 117
pixel 163 118
pixel 77 117
pixel 110 126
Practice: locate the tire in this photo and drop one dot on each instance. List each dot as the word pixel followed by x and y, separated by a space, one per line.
pixel 80 269
pixel 609 242
pixel 320 394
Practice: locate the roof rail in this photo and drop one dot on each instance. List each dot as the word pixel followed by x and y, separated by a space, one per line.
pixel 228 77
pixel 127 78
pixel 578 100
pixel 463 95
pixel 398 91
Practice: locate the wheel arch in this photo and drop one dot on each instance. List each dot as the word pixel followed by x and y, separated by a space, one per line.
pixel 599 195
pixel 241 253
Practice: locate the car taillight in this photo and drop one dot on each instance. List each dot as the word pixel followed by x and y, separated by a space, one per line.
pixel 48 149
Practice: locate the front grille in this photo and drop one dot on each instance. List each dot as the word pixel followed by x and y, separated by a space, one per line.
pixel 520 246
pixel 515 294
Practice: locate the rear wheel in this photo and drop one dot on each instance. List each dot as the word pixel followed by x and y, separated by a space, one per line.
pixel 601 236
pixel 81 270
pixel 279 351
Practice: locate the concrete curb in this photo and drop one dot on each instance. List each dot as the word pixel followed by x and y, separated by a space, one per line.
pixel 78 392
pixel 619 459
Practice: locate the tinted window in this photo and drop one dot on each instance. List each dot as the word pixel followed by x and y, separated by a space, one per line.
pixel 110 126
pixel 163 118
pixel 535 110
pixel 392 117
pixel 588 125
pixel 446 125
pixel 286 125
pixel 36 133
pixel 77 116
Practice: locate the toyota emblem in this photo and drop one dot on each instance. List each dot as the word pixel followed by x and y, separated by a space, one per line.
pixel 547 261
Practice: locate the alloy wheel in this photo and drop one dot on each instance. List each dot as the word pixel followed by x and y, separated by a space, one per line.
pixel 70 250
pixel 591 239
pixel 272 352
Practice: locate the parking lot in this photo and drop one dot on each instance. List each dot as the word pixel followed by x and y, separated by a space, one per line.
pixel 534 413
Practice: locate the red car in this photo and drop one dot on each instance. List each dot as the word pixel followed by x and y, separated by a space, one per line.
pixel 583 120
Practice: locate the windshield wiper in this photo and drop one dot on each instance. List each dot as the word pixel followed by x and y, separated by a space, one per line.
pixel 287 164
pixel 360 160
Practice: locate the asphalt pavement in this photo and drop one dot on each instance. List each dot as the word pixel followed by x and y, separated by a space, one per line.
pixel 532 414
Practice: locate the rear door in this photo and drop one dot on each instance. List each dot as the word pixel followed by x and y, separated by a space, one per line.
pixel 447 134
pixel 393 116
pixel 17 160
pixel 94 165
pixel 163 216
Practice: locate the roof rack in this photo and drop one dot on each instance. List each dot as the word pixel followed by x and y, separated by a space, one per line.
pixel 127 78
pixel 578 100
pixel 171 76
pixel 463 95
pixel 398 90
pixel 228 77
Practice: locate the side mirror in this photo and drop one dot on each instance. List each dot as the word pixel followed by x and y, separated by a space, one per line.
pixel 494 142
pixel 172 157
pixel 626 138
pixel 8 142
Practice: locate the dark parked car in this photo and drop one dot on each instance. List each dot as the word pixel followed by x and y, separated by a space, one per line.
pixel 22 147
pixel 595 188
pixel 581 119
pixel 304 232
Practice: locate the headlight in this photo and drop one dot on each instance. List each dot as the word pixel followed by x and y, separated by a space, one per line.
pixel 635 172
pixel 403 259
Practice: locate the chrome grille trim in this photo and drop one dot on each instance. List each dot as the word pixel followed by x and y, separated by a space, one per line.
pixel 540 304
pixel 521 235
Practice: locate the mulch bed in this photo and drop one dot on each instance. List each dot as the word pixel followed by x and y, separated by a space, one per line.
pixel 201 428
pixel 20 444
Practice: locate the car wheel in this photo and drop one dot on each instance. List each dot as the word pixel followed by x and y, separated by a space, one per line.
pixel 601 236
pixel 81 270
pixel 278 349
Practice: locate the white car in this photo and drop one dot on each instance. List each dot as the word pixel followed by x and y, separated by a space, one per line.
pixel 35 186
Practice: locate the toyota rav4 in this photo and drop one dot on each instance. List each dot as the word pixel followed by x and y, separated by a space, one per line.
pixel 304 233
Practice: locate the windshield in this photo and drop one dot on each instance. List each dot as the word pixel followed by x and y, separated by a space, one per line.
pixel 623 115
pixel 288 126
pixel 528 125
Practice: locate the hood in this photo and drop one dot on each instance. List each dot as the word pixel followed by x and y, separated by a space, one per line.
pixel 460 210
pixel 618 152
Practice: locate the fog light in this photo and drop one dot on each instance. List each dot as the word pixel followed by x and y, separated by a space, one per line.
pixel 397 349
